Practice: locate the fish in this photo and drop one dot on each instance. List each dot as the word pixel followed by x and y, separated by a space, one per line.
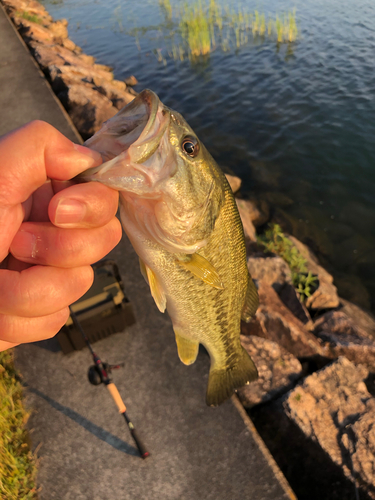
pixel 180 215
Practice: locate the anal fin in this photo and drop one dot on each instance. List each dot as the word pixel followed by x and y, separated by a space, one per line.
pixel 202 269
pixel 251 302
pixel 187 349
pixel 155 288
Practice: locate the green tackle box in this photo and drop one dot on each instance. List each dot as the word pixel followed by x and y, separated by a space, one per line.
pixel 102 311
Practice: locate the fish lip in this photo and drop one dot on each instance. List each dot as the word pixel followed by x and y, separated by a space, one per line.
pixel 158 121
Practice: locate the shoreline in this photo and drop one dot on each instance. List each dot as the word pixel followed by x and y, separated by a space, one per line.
pixel 326 327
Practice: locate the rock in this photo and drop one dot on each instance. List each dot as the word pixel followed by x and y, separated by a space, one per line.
pixel 56 55
pixel 70 45
pixel 119 85
pixel 118 97
pixel 362 319
pixel 88 60
pixel 351 288
pixel 87 108
pixel 131 81
pixel 234 182
pixel 59 29
pixel 33 31
pixel 30 6
pixel 340 336
pixel 247 224
pixel 277 370
pixel 104 67
pixel 325 297
pixel 334 408
pixel 339 322
pixel 274 321
pixel 289 297
pixel 269 269
pixel 256 211
pixel 132 91
pixel 62 77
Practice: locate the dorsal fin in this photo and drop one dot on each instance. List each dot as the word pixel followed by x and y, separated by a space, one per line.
pixel 251 302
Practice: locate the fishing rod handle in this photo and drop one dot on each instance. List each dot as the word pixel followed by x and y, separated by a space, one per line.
pixel 141 447
pixel 116 397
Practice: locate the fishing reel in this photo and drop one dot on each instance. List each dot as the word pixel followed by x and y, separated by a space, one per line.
pixel 96 376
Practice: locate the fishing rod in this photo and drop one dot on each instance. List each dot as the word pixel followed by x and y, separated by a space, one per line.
pixel 100 374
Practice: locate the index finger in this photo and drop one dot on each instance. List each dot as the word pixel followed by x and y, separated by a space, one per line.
pixel 29 156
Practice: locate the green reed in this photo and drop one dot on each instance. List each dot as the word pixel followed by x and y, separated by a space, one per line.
pixel 204 25
pixel 194 29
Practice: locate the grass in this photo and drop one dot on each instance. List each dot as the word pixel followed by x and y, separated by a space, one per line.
pixel 30 17
pixel 201 26
pixel 275 241
pixel 17 463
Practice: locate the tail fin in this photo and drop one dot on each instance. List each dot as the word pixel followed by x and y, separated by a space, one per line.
pixel 222 383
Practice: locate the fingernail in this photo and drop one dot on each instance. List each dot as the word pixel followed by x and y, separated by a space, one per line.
pixel 94 155
pixel 24 245
pixel 69 212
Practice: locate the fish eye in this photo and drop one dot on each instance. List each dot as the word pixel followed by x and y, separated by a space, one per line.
pixel 191 146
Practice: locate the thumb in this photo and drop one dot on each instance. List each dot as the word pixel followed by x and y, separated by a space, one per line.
pixel 28 157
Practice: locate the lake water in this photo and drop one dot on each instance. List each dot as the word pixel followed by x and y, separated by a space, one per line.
pixel 295 121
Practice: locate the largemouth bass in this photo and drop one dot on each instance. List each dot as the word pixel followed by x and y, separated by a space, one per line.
pixel 180 215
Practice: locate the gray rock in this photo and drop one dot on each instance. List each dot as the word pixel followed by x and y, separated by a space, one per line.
pixel 59 29
pixel 234 182
pixel 49 55
pixel 334 408
pixel 274 321
pixel 255 210
pixel 131 81
pixel 277 370
pixel 63 77
pixel 33 31
pixel 341 336
pixel 119 98
pixel 248 226
pixel 87 108
pixel 269 269
pixel 290 298
pixel 361 318
pixel 30 6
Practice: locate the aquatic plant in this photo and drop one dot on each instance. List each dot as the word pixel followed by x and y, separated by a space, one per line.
pixel 196 28
pixel 275 241
pixel 204 25
pixel 167 7
pixel 286 27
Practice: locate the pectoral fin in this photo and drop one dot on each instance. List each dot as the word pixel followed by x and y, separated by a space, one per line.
pixel 156 290
pixel 251 302
pixel 187 349
pixel 202 269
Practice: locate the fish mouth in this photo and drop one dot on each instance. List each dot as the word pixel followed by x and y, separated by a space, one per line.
pixel 136 128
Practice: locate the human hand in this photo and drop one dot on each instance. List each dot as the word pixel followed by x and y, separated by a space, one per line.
pixel 50 231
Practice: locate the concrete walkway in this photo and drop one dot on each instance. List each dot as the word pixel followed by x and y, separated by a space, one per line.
pixel 85 448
